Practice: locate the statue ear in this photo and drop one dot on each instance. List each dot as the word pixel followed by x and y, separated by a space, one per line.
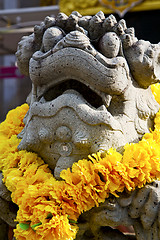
pixel 25 50
pixel 143 59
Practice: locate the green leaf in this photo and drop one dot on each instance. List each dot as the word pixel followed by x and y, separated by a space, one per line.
pixel 24 226
pixel 35 225
pixel 49 215
pixel 72 221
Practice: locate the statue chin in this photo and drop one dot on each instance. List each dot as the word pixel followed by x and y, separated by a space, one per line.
pixel 90 92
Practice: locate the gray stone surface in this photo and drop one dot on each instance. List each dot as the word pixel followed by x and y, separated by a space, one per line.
pixel 7 211
pixel 85 78
pixel 91 91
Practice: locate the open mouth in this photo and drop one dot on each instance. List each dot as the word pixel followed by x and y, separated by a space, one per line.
pixel 89 104
pixel 93 99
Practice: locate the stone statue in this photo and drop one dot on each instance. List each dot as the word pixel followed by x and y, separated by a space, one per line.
pixel 91 91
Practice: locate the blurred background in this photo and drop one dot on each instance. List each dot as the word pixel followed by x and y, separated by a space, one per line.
pixel 18 17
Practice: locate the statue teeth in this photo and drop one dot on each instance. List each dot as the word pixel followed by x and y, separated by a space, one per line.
pixel 42 100
pixel 107 99
pixel 102 108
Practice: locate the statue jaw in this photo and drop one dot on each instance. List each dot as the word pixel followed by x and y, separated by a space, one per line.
pixel 69 129
pixel 99 73
pixel 72 90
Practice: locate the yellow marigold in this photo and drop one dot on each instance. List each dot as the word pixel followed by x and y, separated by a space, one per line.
pixel 157 121
pixel 47 207
pixel 8 152
pixel 13 124
pixel 155 90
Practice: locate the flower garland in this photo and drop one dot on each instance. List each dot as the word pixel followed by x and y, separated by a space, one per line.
pixel 49 209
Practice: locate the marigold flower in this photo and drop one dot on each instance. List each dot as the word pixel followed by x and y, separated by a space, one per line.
pixel 49 208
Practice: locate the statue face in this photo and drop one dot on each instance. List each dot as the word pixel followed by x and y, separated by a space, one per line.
pixel 83 98
pixel 90 92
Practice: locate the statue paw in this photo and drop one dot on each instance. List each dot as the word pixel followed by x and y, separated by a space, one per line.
pixel 8 209
pixel 145 205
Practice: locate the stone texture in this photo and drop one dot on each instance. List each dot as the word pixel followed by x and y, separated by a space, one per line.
pixel 82 76
pixel 91 91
